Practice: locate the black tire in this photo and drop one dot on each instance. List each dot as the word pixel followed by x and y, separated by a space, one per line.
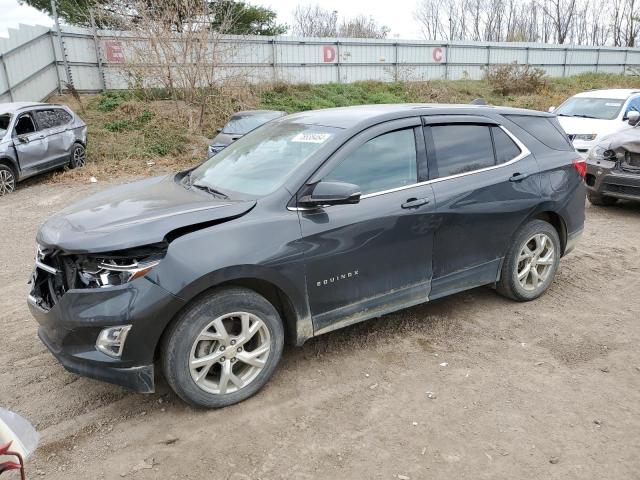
pixel 78 156
pixel 601 200
pixel 180 341
pixel 8 180
pixel 509 284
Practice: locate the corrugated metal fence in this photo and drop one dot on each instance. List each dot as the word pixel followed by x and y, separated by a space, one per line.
pixel 32 64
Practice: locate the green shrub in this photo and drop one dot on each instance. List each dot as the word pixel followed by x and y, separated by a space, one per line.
pixel 511 78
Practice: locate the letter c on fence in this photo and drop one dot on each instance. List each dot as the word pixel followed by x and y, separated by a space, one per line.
pixel 114 51
pixel 329 53
pixel 437 54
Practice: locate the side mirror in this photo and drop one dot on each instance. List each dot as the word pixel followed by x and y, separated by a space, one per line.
pixel 23 139
pixel 331 193
pixel 633 117
pixel 18 439
pixel 552 109
pixel 219 130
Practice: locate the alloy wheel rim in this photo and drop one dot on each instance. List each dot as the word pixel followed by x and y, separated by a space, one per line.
pixel 79 157
pixel 7 182
pixel 229 353
pixel 535 261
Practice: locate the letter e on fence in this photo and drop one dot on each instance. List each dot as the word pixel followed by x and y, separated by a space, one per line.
pixel 437 54
pixel 328 53
pixel 113 51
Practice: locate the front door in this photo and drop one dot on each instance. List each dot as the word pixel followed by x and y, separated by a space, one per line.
pixel 486 183
pixel 370 258
pixel 30 144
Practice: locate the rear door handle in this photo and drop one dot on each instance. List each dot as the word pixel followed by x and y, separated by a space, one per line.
pixel 518 177
pixel 415 202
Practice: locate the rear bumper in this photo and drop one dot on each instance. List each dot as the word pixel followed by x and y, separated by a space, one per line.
pixel 572 240
pixel 71 327
pixel 604 178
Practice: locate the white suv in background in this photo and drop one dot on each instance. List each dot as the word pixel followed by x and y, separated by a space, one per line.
pixel 588 116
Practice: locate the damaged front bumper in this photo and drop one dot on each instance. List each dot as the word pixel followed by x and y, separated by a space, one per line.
pixel 70 327
pixel 608 178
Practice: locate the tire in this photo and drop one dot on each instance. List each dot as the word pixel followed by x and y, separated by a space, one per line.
pixel 78 157
pixel 197 356
pixel 543 262
pixel 601 200
pixel 7 180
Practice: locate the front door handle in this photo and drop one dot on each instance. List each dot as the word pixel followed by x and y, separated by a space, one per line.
pixel 415 202
pixel 518 177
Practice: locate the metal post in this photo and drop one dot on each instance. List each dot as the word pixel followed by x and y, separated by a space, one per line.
pixel 55 63
pixel 6 76
pixel 526 58
pixel 564 63
pixel 397 72
pixel 54 11
pixel 626 60
pixel 96 44
pixel 274 58
pixel 447 47
pixel 338 60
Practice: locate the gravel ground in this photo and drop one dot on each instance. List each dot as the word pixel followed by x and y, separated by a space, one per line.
pixel 471 386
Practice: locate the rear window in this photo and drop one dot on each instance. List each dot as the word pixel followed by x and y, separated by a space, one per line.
pixel 462 148
pixel 506 149
pixel 52 118
pixel 544 129
pixel 241 124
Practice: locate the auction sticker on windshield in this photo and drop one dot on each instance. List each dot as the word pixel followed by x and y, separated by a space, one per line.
pixel 311 137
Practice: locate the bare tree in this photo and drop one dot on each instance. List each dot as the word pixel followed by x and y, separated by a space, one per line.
pixel 315 21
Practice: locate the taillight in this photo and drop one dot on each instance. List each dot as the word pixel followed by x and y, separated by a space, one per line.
pixel 580 164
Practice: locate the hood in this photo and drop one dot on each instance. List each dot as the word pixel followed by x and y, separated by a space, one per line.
pixel 225 139
pixel 132 215
pixel 625 140
pixel 578 125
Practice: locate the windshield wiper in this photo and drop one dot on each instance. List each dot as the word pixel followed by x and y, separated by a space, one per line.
pixel 210 189
pixel 582 116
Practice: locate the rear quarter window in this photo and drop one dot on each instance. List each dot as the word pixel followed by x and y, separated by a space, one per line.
pixel 545 129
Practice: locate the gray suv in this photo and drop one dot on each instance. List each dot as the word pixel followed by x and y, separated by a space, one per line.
pixel 37 137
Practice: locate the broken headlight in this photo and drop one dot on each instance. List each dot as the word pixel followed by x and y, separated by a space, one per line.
pixel 601 153
pixel 115 269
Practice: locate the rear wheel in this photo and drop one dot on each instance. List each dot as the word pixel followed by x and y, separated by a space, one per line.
pixel 531 263
pixel 601 200
pixel 7 180
pixel 78 156
pixel 223 348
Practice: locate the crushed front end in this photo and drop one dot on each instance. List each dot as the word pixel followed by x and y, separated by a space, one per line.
pixel 613 166
pixel 98 313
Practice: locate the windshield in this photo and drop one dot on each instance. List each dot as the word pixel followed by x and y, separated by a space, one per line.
pixel 4 124
pixel 600 108
pixel 241 124
pixel 259 163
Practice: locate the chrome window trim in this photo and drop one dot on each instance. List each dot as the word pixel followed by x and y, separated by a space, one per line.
pixel 524 152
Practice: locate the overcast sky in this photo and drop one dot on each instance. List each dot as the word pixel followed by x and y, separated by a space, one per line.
pixel 398 15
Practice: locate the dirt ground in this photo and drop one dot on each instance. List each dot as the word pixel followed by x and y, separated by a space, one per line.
pixel 471 386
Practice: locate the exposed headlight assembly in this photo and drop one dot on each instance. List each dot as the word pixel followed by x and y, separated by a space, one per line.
pixel 601 153
pixel 585 136
pixel 115 269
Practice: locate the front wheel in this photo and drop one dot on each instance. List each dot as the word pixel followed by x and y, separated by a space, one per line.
pixel 223 348
pixel 7 180
pixel 531 262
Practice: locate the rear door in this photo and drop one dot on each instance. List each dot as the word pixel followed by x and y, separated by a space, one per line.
pixel 373 257
pixel 54 124
pixel 486 183
pixel 30 144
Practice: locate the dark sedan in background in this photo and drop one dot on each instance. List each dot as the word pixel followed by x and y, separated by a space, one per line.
pixel 240 124
pixel 38 137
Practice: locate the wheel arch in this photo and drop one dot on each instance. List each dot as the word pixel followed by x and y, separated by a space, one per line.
pixel 294 312
pixel 556 220
pixel 12 164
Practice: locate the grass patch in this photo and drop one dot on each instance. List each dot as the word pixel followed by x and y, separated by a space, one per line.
pixel 143 133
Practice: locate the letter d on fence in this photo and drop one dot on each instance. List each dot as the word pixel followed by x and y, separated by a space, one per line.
pixel 329 53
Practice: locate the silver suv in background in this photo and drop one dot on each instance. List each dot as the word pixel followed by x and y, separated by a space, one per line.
pixel 38 137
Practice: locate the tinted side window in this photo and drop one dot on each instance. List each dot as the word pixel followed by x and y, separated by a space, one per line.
pixel 52 118
pixel 462 148
pixel 544 130
pixel 506 149
pixel 382 163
